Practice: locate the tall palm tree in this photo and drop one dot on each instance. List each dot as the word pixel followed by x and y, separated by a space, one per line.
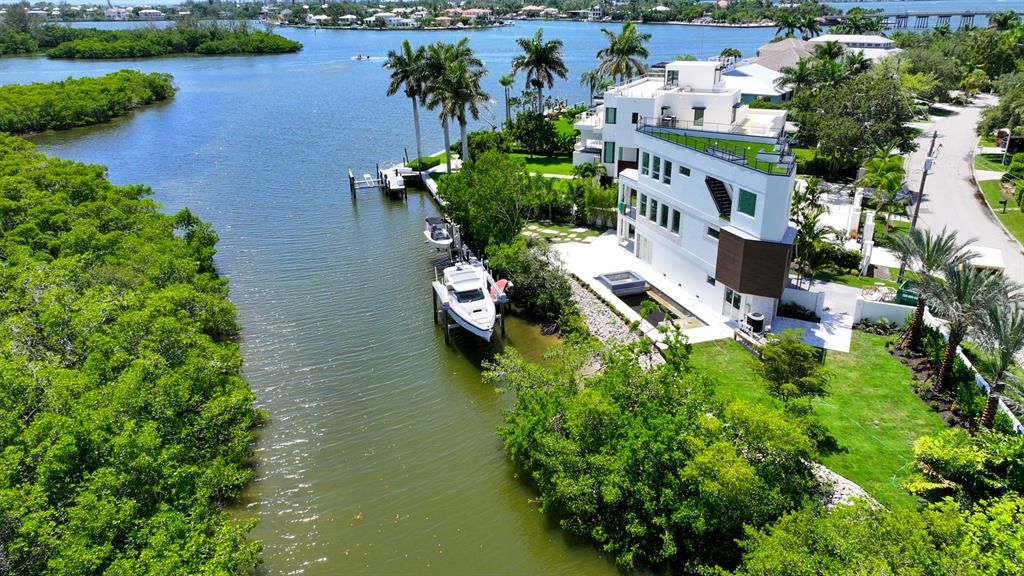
pixel 810 26
pixel 542 60
pixel 1004 20
pixel 926 254
pixel 798 77
pixel 961 297
pixel 884 173
pixel 472 99
pixel 407 67
pixel 855 63
pixel 594 81
pixel 827 72
pixel 625 54
pixel 787 21
pixel 830 50
pixel 454 88
pixel 507 81
pixel 1004 333
pixel 731 53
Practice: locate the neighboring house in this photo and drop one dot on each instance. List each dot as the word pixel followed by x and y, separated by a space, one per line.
pixel 478 14
pixel 347 20
pixel 595 12
pixel 532 11
pixel 442 22
pixel 117 13
pixel 149 14
pixel 786 52
pixel 38 14
pixel 755 81
pixel 390 20
pixel 705 184
pixel 317 19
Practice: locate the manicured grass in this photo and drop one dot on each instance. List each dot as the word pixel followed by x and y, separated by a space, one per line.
pixel 987 141
pixel 1013 219
pixel 882 235
pixel 853 280
pixel 558 232
pixel 991 162
pixel 804 154
pixel 429 161
pixel 561 165
pixel 871 411
pixel 747 150
pixel 564 126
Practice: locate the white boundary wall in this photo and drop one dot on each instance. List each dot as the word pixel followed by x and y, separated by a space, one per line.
pixel 811 300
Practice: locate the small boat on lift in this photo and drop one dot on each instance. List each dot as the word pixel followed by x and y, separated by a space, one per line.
pixel 437 232
pixel 465 295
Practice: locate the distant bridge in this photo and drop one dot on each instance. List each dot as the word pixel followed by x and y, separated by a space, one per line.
pixel 918 19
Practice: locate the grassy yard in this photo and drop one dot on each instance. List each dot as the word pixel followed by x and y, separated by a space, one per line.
pixel 853 280
pixel 1013 219
pixel 561 165
pixel 871 411
pixel 991 162
pixel 559 232
pixel 987 141
pixel 564 126
pixel 748 150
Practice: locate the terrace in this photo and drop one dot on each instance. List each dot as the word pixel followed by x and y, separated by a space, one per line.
pixel 773 158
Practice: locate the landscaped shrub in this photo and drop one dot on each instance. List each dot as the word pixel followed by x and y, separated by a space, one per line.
pixel 540 287
pixel 881 327
pixel 794 310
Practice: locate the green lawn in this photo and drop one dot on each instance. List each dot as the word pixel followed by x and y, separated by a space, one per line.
pixel 853 280
pixel 561 165
pixel 991 162
pixel 1013 219
pixel 872 412
pixel 564 126
pixel 748 150
pixel 881 236
pixel 987 141
pixel 558 232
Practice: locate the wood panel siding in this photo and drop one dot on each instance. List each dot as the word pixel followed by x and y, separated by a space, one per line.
pixel 752 266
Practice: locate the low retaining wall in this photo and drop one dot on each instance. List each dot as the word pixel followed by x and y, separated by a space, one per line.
pixel 874 311
pixel 811 300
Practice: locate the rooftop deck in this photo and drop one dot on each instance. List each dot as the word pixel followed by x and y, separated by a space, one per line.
pixel 764 156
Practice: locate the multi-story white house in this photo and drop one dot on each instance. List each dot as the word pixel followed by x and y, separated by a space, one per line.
pixel 705 184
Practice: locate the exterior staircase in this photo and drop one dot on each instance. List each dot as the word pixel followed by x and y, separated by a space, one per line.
pixel 720 195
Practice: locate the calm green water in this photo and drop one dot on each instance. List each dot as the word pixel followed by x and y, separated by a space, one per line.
pixel 381 457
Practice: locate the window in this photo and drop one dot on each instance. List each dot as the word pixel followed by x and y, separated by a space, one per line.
pixel 698 116
pixel 668 172
pixel 645 166
pixel 635 118
pixel 609 115
pixel 609 152
pixel 664 217
pixel 643 204
pixel 748 203
pixel 672 77
pixel 711 280
pixel 732 298
pixel 656 169
pixel 684 171
pixel 733 115
pixel 653 216
pixel 676 217
pixel 713 233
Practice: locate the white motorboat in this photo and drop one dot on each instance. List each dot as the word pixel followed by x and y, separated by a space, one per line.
pixel 464 293
pixel 437 233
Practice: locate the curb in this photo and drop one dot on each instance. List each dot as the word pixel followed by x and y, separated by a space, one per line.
pixel 991 210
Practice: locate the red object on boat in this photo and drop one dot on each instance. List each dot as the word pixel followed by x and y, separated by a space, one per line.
pixel 499 287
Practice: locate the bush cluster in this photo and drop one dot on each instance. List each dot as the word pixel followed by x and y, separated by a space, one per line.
pixel 89 43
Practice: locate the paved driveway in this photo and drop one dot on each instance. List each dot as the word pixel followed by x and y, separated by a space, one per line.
pixel 950 198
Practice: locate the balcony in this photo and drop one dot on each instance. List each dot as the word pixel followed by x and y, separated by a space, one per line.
pixel 757 123
pixel 591 120
pixel 770 157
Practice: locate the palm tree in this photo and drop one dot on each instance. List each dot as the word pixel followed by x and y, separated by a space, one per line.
pixel 594 81
pixel 1004 332
pixel 542 61
pixel 407 68
pixel 454 88
pixel 884 173
pixel 830 50
pixel 810 26
pixel 926 254
pixel 961 298
pixel 623 58
pixel 827 72
pixel 731 53
pixel 1004 20
pixel 855 63
pixel 796 77
pixel 507 81
pixel 789 22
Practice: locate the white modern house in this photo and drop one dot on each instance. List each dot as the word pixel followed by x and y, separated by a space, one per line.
pixel 118 13
pixel 705 184
pixel 150 14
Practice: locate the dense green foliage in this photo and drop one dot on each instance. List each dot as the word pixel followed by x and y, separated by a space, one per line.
pixel 124 424
pixel 649 464
pixel 78 102
pixel 186 38
pixel 792 368
pixel 968 467
pixel 942 539
pixel 145 42
pixel 541 288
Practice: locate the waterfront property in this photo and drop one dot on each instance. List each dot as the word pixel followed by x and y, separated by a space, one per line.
pixel 705 184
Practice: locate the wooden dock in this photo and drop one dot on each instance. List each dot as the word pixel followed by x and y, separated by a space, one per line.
pixel 391 181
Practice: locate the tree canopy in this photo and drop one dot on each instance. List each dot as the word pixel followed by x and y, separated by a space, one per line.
pixel 124 423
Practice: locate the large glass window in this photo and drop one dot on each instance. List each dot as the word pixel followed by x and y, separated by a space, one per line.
pixel 643 204
pixel 672 77
pixel 609 115
pixel 748 203
pixel 664 216
pixel 668 172
pixel 656 169
pixel 609 152
pixel 676 217
pixel 645 166
pixel 653 216
pixel 698 116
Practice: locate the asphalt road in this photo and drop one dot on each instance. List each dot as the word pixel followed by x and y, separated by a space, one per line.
pixel 950 198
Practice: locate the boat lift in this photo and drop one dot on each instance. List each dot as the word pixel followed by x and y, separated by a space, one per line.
pixel 390 181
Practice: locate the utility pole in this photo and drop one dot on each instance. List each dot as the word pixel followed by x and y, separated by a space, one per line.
pixel 928 161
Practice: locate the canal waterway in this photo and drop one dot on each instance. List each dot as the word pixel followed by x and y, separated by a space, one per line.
pixel 381 457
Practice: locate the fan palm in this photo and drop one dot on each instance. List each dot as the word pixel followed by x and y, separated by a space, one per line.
pixel 623 58
pixel 962 297
pixel 1004 334
pixel 542 60
pixel 926 254
pixel 407 67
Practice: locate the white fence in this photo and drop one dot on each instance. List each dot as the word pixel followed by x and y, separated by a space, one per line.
pixel 811 300
pixel 875 311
